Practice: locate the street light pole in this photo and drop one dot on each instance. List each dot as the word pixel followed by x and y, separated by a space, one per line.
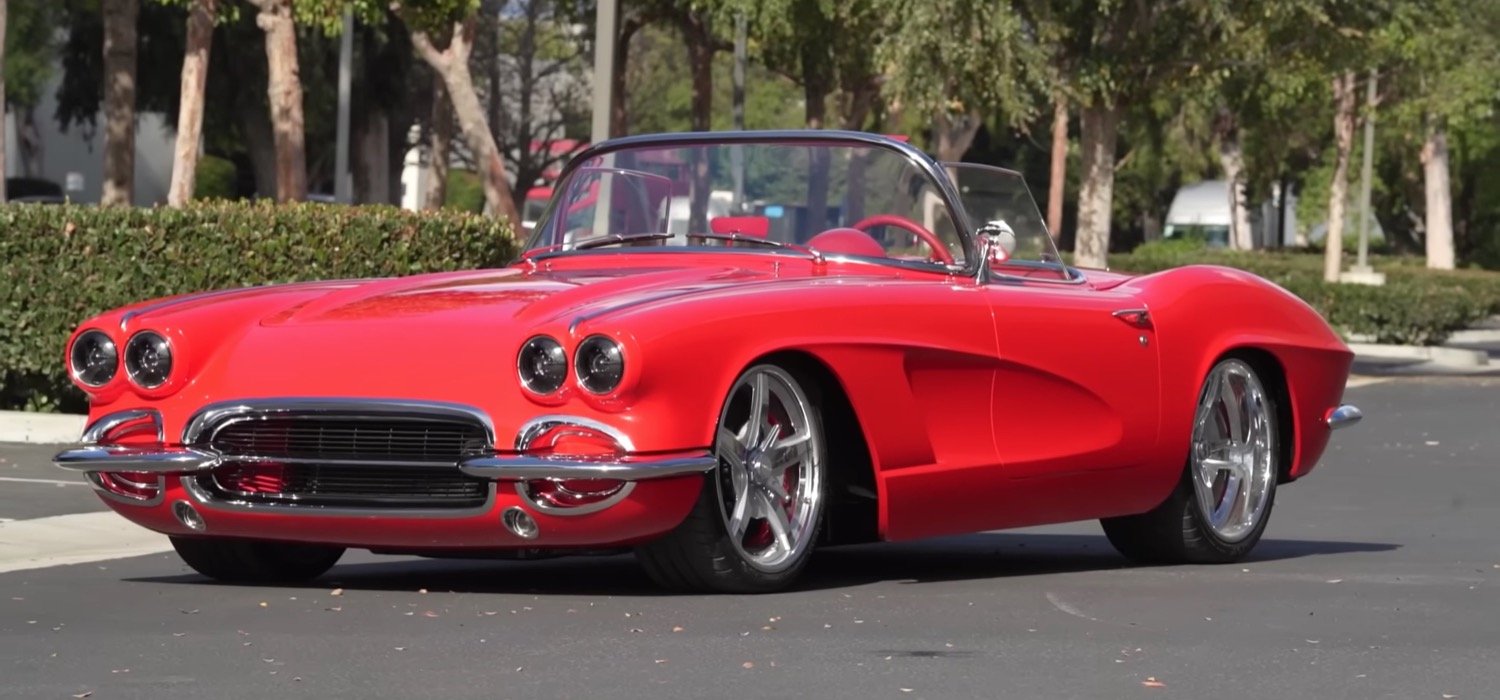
pixel 737 152
pixel 1365 175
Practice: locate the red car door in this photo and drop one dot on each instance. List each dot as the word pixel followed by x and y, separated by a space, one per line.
pixel 1078 387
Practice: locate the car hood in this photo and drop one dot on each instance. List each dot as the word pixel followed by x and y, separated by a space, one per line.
pixel 449 337
pixel 501 296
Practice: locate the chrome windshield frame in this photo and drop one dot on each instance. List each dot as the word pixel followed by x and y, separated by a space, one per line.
pixel 925 164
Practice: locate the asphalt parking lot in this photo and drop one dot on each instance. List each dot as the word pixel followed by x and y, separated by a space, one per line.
pixel 1379 577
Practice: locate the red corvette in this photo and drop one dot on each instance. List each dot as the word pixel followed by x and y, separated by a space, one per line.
pixel 868 345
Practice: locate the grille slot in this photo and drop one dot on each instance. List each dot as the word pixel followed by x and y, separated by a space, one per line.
pixel 366 461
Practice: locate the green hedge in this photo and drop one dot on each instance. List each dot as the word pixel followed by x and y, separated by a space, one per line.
pixel 1416 306
pixel 61 264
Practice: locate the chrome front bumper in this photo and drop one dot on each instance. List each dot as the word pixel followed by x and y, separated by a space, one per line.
pixel 187 460
pixel 159 458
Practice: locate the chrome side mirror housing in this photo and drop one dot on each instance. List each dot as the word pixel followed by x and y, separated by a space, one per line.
pixel 995 240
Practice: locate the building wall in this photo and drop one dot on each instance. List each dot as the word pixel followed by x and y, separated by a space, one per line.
pixel 82 155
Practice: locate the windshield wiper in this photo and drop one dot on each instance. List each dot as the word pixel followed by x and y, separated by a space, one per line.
pixel 741 238
pixel 620 238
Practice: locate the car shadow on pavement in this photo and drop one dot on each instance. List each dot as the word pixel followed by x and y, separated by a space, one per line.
pixel 967 557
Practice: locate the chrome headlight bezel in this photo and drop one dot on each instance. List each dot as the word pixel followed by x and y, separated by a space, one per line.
pixel 149 359
pixel 528 370
pixel 599 364
pixel 80 367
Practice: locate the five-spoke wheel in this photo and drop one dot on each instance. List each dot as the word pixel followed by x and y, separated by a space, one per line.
pixel 1223 500
pixel 759 513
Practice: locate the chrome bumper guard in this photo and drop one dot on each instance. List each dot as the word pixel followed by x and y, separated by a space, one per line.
pixel 1344 416
pixel 185 460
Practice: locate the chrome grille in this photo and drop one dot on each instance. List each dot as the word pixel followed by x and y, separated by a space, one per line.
pixel 375 439
pixel 348 485
pixel 374 460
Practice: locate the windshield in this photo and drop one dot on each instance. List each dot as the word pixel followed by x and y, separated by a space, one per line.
pixel 838 198
pixel 995 194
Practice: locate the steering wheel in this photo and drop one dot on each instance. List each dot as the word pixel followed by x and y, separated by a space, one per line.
pixel 939 250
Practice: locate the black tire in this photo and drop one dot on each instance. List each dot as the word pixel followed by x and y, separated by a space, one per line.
pixel 700 554
pixel 254 561
pixel 1179 530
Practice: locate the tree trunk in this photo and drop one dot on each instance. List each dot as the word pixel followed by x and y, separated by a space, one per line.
pixel 285 93
pixel 1439 196
pixel 1232 160
pixel 260 146
pixel 371 155
pixel 452 64
pixel 200 37
pixel 1344 116
pixel 1057 180
pixel 701 64
pixel 437 153
pixel 955 136
pixel 119 101
pixel 1099 133
pixel 815 111
pixel 2 101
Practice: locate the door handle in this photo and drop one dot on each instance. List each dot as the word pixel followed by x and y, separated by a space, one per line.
pixel 1137 318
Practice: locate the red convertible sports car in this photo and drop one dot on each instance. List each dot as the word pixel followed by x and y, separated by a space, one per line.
pixel 720 351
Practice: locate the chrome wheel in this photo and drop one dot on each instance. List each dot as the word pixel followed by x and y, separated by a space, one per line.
pixel 1233 461
pixel 770 452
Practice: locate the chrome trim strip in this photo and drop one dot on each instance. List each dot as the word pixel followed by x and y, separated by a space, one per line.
pixel 532 429
pixel 155 459
pixel 1344 416
pixel 203 498
pixel 613 498
pixel 215 415
pixel 99 488
pixel 525 467
pixel 101 428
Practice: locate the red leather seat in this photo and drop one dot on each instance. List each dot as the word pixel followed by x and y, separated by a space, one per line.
pixel 753 226
pixel 847 241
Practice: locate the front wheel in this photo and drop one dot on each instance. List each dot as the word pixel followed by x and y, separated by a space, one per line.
pixel 757 517
pixel 1222 503
pixel 253 561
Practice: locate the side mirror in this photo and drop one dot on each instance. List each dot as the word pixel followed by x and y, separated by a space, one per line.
pixel 996 241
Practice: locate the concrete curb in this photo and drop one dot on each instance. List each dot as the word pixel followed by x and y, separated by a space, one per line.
pixel 41 428
pixel 1475 336
pixel 1443 356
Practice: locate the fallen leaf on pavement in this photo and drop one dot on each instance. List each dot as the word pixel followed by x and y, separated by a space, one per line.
pixel 1151 682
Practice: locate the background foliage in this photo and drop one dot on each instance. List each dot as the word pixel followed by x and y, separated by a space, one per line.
pixel 1417 306
pixel 62 264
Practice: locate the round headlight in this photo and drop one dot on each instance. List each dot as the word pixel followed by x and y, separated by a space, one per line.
pixel 148 359
pixel 600 364
pixel 94 358
pixel 543 365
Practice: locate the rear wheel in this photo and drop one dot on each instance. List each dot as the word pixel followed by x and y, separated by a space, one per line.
pixel 1222 503
pixel 758 514
pixel 253 561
